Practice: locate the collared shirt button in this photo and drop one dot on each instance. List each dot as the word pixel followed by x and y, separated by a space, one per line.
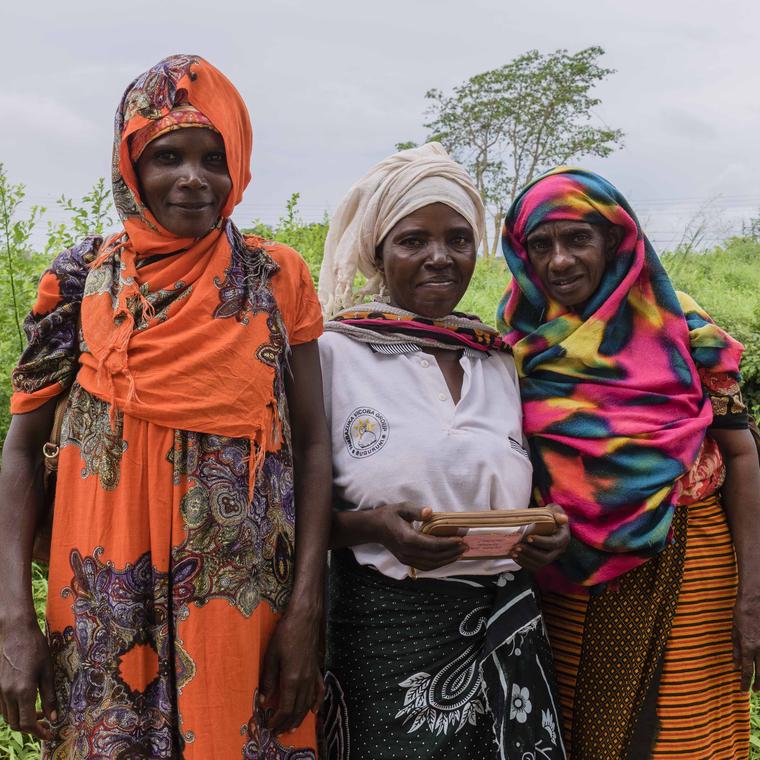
pixel 441 396
pixel 425 363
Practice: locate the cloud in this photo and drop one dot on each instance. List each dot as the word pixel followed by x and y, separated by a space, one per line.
pixel 32 114
pixel 686 124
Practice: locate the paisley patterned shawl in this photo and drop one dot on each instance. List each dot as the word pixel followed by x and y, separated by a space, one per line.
pixel 613 404
pixel 184 333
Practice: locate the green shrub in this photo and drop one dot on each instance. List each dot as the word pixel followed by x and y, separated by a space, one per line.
pixel 486 289
pixel 726 283
pixel 308 238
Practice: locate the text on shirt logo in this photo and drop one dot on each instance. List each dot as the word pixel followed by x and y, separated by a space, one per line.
pixel 365 432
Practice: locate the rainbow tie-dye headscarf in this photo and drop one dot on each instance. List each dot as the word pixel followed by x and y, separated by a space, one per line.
pixel 613 404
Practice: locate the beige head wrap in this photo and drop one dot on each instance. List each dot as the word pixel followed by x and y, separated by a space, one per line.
pixel 395 188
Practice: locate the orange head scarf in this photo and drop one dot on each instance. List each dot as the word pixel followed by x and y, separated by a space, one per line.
pixel 178 339
pixel 182 115
pixel 150 98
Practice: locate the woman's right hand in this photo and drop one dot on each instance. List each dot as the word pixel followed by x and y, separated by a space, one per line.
pixel 25 663
pixel 25 669
pixel 393 523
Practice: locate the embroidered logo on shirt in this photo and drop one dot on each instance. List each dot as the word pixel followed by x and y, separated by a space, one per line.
pixel 365 432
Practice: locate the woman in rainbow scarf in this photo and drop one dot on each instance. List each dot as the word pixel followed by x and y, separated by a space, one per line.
pixel 633 410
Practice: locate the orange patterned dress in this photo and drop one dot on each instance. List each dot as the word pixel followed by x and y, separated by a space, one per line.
pixel 173 538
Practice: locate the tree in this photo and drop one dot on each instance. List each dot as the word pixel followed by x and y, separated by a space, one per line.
pixel 751 229
pixel 510 124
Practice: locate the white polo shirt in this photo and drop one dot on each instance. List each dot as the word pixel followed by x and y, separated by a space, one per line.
pixel 398 436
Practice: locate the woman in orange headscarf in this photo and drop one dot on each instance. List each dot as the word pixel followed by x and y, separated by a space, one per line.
pixel 182 620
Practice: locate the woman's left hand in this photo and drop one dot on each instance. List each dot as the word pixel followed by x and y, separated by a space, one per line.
pixel 291 681
pixel 746 636
pixel 535 552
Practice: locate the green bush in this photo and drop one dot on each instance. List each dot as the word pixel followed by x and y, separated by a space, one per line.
pixel 726 283
pixel 487 286
pixel 306 238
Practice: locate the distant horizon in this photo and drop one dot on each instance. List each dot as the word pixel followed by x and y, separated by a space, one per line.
pixel 686 209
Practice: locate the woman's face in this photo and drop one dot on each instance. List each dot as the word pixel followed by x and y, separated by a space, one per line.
pixel 570 258
pixel 428 259
pixel 184 180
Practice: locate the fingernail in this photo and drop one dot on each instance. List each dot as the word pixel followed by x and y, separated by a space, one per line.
pixel 54 715
pixel 530 539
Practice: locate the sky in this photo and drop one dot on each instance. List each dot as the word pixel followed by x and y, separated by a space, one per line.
pixel 333 85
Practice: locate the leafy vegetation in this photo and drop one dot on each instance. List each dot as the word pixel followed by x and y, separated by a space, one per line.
pixel 90 216
pixel 725 280
pixel 307 238
pixel 19 272
pixel 510 124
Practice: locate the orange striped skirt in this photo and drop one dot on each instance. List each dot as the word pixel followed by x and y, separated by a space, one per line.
pixel 702 712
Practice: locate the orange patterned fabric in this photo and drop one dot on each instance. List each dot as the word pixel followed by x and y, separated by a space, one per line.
pixel 627 627
pixel 701 709
pixel 706 476
pixel 181 116
pixel 128 367
pixel 173 543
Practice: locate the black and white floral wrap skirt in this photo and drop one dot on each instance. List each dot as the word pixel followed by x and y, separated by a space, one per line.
pixel 437 668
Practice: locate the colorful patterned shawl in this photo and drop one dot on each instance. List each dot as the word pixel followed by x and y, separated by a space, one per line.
pixel 384 324
pixel 613 404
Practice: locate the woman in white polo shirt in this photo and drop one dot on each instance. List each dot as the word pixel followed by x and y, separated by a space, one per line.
pixel 425 414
